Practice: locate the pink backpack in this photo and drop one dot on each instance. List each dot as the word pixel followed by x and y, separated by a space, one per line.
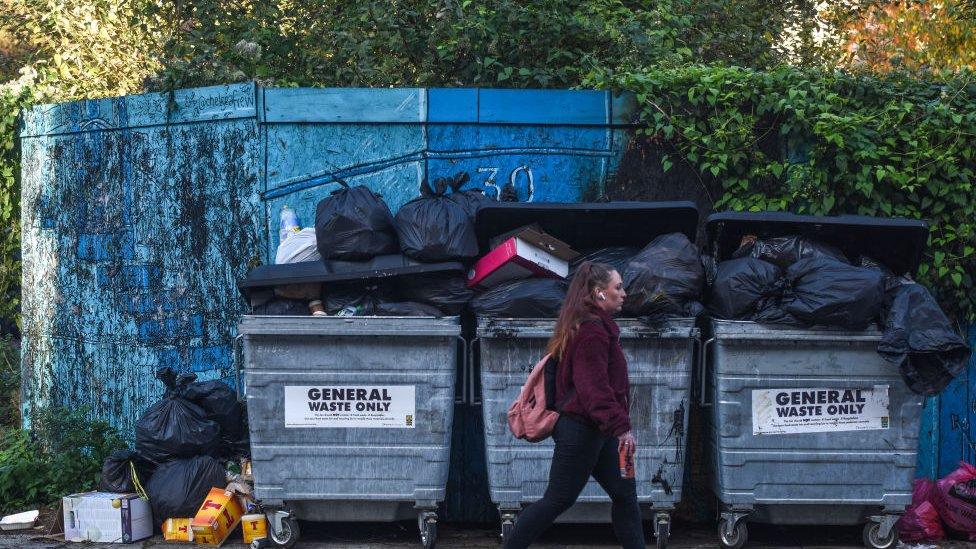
pixel 528 416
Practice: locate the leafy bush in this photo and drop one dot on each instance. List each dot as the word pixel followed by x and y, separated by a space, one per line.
pixel 830 143
pixel 61 454
pixel 9 383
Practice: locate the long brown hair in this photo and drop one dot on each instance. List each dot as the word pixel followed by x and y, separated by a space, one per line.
pixel 578 305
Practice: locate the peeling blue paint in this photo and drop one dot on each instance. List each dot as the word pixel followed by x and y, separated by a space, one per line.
pixel 139 219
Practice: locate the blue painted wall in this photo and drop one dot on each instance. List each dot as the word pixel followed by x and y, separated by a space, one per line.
pixel 141 212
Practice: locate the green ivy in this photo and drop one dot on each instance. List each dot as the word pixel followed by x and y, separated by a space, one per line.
pixel 828 143
pixel 10 264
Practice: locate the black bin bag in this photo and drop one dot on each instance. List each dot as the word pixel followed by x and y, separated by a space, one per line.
pixel 220 403
pixel 824 291
pixel 530 298
pixel 436 228
pixel 118 468
pixel 179 488
pixel 920 340
pixel 616 256
pixel 784 251
pixel 174 427
pixel 740 285
pixel 665 278
pixel 448 292
pixel 354 224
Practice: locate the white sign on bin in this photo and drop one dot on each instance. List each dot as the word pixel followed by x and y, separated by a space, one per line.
pixel 819 410
pixel 351 406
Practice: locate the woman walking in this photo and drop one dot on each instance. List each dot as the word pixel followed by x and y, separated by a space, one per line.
pixel 592 397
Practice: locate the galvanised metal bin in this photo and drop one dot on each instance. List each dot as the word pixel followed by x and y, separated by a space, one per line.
pixel 660 358
pixel 350 417
pixel 830 465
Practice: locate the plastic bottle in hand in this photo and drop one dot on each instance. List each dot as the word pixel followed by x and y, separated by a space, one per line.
pixel 626 454
pixel 288 223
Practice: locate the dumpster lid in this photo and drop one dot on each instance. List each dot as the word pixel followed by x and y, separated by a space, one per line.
pixel 382 266
pixel 896 242
pixel 589 226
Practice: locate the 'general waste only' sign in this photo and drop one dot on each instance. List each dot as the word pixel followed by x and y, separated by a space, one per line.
pixel 819 410
pixel 350 406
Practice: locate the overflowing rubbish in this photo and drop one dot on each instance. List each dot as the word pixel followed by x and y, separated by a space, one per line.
pixel 354 223
pixel 531 298
pixel 526 253
pixel 741 285
pixel 254 527
pixel 616 256
pixel 784 251
pixel 288 223
pixel 665 278
pixel 105 517
pixel 19 521
pixel 298 247
pixel 447 292
pixel 175 427
pixel 821 290
pixel 125 471
pixel 921 520
pixel 218 516
pixel 435 227
pixel 179 488
pixel 952 499
pixel 177 529
pixel 920 340
pixel 220 403
pixel 799 281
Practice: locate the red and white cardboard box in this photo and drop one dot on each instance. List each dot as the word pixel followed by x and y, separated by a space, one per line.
pixel 526 254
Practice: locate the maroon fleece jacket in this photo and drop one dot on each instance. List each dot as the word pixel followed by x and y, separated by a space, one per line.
pixel 591 381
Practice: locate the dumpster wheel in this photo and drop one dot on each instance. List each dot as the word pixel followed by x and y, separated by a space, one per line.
pixel 662 530
pixel 427 524
pixel 872 537
pixel 288 535
pixel 508 523
pixel 738 538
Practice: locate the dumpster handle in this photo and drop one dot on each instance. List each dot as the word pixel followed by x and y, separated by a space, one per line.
pixel 702 368
pixel 236 352
pixel 464 371
pixel 472 399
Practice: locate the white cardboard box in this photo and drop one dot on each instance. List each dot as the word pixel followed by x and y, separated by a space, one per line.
pixel 106 517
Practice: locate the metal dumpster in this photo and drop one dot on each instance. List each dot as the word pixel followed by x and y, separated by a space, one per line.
pixel 350 417
pixel 659 356
pixel 844 465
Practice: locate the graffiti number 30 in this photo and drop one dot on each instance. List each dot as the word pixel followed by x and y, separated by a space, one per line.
pixel 512 178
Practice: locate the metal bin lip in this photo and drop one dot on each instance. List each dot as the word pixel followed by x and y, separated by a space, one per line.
pixel 749 330
pixel 408 326
pixel 898 243
pixel 588 226
pixel 630 328
pixel 383 266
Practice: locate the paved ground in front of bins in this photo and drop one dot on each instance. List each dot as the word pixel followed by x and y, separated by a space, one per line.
pixel 404 536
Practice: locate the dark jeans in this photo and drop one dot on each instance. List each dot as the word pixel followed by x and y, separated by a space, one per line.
pixel 581 451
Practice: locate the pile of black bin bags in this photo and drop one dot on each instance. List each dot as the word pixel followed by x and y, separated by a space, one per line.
pixel 794 280
pixel 666 278
pixel 182 444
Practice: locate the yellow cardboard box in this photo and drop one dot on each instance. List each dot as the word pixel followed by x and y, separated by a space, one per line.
pixel 220 513
pixel 177 529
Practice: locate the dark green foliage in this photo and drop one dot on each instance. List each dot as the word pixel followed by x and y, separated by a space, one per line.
pixel 61 454
pixel 830 143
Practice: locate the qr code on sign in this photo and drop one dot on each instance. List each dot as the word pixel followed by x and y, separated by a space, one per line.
pixel 884 422
pixel 409 420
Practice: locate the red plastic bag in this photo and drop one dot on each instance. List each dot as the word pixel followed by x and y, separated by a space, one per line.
pixel 958 514
pixel 921 521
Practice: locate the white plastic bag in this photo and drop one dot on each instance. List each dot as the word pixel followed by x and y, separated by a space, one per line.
pixel 298 247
